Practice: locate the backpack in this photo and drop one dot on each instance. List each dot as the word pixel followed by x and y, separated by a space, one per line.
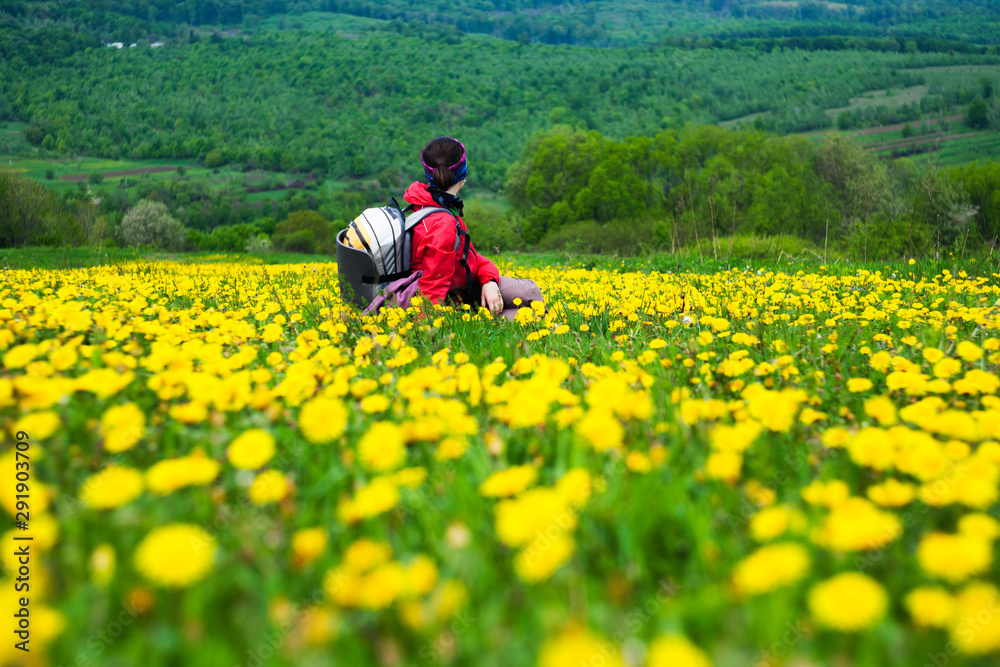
pixel 376 249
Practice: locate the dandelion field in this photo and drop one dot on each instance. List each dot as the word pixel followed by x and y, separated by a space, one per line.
pixel 228 466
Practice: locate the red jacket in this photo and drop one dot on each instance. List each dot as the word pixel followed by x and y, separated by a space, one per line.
pixel 434 250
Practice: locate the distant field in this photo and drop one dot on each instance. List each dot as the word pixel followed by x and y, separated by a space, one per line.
pixel 948 74
pixel 67 174
pixel 749 118
pixel 887 98
pixel 958 145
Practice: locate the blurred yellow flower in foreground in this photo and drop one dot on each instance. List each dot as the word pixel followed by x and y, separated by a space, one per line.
pixel 848 602
pixel 771 567
pixel 175 555
pixel 954 558
pixel 102 564
pixel 676 651
pixel 307 545
pixel 577 646
pixel 251 450
pixel 112 487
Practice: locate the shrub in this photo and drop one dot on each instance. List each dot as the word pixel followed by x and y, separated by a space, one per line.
pixel 95 178
pixel 303 241
pixel 258 245
pixel 490 229
pixel 617 238
pixel 149 223
pixel 304 231
pixel 228 238
pixel 215 158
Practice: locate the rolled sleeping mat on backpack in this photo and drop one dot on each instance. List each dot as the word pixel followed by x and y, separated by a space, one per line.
pixel 359 281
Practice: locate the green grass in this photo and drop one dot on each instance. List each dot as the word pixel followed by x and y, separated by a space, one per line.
pixel 34 257
pixel 766 254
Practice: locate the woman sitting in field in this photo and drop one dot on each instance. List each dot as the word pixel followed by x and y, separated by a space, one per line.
pixel 456 273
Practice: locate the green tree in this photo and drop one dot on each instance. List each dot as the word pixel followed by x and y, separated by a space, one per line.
pixel 977 116
pixel 304 231
pixel 150 223
pixel 26 207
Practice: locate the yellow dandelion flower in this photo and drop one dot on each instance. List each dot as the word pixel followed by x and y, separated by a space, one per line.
pixel 509 482
pixel 365 554
pixel 175 555
pixel 829 494
pixel 20 356
pixel 102 564
pixel 419 577
pixel 123 426
pixel 307 545
pixel 451 448
pixel 38 425
pixel 857 525
pixel 892 493
pixel 272 332
pixel 383 447
pixel 194 412
pixel 954 558
pixel 577 646
pixel 268 487
pixel 771 567
pixel 772 522
pixel 537 510
pixel 848 602
pixel 969 351
pixel 859 385
pixel 381 586
pixel 676 651
pixel 575 487
pixel 168 475
pixel 724 465
pixel 930 606
pixel 323 419
pixel 932 354
pixel 979 525
pixel 543 556
pixel 975 627
pixel 113 486
pixel 251 450
pixel 882 410
pixel 379 496
pixel 319 625
pixel 601 429
pixel 375 403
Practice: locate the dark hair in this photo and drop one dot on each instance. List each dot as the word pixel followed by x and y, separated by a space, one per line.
pixel 439 155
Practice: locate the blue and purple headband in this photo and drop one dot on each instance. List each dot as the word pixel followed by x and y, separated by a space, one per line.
pixel 460 169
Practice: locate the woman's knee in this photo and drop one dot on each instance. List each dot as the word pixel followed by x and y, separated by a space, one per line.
pixel 523 289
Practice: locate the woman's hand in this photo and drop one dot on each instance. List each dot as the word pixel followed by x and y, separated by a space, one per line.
pixel 491 298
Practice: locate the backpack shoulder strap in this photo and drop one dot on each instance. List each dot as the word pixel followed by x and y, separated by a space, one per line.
pixel 414 219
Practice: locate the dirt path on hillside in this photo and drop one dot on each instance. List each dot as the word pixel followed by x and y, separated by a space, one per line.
pixel 123 172
pixel 889 145
pixel 899 126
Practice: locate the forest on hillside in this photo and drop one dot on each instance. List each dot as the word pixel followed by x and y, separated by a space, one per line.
pixel 591 22
pixel 315 102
